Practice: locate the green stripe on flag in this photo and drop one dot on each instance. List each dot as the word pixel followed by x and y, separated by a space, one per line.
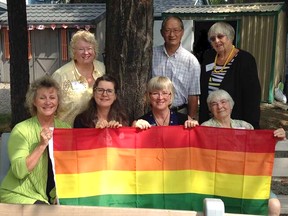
pixel 170 201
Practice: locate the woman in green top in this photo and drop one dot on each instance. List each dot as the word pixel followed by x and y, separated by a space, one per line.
pixel 30 178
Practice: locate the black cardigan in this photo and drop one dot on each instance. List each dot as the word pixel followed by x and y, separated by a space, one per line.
pixel 241 82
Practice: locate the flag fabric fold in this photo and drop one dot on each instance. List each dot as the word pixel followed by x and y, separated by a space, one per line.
pixel 164 167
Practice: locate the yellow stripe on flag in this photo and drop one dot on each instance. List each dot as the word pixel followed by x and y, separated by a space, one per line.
pixel 160 182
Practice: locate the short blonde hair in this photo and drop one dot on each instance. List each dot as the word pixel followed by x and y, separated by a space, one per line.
pixel 85 36
pixel 43 82
pixel 222 28
pixel 159 83
pixel 218 95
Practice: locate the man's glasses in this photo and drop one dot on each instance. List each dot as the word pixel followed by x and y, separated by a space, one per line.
pixel 169 31
pixel 101 91
pixel 219 36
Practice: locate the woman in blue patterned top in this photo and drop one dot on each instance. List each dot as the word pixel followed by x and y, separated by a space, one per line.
pixel 159 95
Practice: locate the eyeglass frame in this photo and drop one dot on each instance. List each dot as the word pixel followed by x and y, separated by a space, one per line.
pixel 84 49
pixel 101 91
pixel 169 31
pixel 221 102
pixel 158 94
pixel 219 36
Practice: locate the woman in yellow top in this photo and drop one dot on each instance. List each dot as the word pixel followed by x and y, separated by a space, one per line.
pixel 77 77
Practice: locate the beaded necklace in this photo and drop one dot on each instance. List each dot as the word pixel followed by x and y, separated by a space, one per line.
pixel 226 62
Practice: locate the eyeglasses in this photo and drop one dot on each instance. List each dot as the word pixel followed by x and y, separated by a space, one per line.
pixel 169 31
pixel 101 91
pixel 158 94
pixel 219 103
pixel 219 36
pixel 84 49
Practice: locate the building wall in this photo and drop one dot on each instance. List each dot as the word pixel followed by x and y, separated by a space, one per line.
pixel 256 37
pixel 280 54
pixel 265 37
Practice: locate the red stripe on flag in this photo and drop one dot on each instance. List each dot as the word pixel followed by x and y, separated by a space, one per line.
pixel 165 137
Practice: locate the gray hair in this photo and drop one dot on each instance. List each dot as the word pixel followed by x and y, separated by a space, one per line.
pixel 85 36
pixel 172 17
pixel 43 82
pixel 218 95
pixel 222 28
pixel 160 83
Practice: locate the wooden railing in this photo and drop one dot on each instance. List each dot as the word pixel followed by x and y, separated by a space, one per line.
pixel 280 170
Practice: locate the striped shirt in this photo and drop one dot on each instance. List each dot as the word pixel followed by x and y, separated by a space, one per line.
pixel 217 77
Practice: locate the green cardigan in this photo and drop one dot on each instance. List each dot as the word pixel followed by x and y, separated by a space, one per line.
pixel 19 186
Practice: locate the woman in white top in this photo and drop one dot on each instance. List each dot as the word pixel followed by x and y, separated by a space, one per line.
pixel 220 103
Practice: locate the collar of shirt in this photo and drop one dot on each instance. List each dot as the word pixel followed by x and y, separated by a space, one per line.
pixel 174 54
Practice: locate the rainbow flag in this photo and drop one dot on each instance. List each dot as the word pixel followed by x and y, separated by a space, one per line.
pixel 164 167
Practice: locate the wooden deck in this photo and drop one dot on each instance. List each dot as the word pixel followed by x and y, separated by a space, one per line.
pixel 45 210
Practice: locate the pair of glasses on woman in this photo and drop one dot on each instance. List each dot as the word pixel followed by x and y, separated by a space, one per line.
pixel 222 102
pixel 158 94
pixel 84 49
pixel 101 91
pixel 219 36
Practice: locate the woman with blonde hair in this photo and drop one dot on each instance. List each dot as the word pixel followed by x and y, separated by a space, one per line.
pixel 159 95
pixel 30 178
pixel 78 76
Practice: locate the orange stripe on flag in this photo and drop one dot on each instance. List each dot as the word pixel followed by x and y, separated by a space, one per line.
pixel 70 162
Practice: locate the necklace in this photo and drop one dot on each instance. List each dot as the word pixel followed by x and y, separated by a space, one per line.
pixel 226 62
pixel 164 121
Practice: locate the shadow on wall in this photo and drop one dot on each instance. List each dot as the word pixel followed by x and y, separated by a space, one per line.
pixel 5 99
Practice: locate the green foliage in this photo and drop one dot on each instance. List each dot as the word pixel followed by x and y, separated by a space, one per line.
pixel 5 121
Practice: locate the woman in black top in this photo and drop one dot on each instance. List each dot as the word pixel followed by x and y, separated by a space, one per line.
pixel 160 93
pixel 233 70
pixel 104 109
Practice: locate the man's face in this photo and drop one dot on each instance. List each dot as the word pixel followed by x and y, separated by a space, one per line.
pixel 172 32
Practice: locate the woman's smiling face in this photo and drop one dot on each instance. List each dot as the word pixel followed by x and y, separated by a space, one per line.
pixel 84 52
pixel 46 101
pixel 104 94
